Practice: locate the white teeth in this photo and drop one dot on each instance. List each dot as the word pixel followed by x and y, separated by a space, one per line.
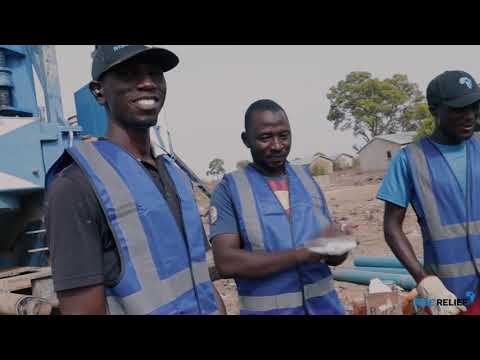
pixel 146 102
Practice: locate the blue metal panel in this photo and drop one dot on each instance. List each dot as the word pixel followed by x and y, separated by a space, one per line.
pixel 91 116
pixel 30 150
pixel 55 139
pixel 9 202
pixel 23 91
pixel 22 155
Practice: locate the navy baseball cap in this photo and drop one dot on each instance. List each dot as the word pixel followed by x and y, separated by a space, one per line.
pixel 107 56
pixel 456 89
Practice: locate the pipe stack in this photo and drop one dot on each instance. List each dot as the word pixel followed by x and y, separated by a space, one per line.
pixel 366 268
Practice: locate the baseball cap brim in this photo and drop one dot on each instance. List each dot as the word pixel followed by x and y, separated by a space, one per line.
pixel 464 100
pixel 163 57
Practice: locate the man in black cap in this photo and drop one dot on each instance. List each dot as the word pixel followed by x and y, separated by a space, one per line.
pixel 123 228
pixel 440 177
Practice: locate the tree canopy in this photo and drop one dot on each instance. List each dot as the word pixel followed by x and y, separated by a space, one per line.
pixel 215 168
pixel 372 107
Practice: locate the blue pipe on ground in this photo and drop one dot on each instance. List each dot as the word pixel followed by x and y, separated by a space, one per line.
pixel 364 277
pixel 382 269
pixel 378 261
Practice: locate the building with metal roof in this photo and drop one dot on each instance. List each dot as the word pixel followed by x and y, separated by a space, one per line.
pixel 377 154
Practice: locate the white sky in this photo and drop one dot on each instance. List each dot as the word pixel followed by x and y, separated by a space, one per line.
pixel 209 92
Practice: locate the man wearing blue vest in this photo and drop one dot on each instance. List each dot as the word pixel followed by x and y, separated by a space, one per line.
pixel 123 227
pixel 261 217
pixel 440 177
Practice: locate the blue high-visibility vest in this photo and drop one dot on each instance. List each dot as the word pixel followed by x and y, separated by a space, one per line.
pixel 162 271
pixel 265 226
pixel 441 208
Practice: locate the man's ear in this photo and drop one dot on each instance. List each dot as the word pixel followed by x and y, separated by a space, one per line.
pixel 97 91
pixel 434 111
pixel 245 139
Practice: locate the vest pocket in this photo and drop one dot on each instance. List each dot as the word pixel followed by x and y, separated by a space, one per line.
pixel 269 209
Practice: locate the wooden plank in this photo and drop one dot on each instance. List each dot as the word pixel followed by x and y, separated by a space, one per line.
pixel 18 271
pixel 43 288
pixel 22 282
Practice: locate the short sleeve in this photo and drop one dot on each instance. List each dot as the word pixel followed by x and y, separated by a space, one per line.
pixel 397 185
pixel 223 219
pixel 73 235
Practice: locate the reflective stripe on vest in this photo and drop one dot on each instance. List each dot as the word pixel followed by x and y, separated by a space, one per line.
pixel 250 214
pixel 154 292
pixel 288 300
pixel 311 187
pixel 432 215
pixel 253 228
pixel 444 245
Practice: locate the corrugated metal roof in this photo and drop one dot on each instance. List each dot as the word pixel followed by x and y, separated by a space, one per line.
pixel 402 138
pixel 336 156
pixel 308 160
pixel 399 138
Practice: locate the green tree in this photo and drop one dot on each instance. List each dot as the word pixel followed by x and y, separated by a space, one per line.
pixel 215 168
pixel 425 129
pixel 242 164
pixel 317 170
pixel 372 107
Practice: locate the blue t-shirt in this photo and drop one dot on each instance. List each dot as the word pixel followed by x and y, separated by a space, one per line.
pixel 397 185
pixel 223 217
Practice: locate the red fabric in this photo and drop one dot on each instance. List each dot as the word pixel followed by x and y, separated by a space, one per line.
pixel 473 309
pixel 278 185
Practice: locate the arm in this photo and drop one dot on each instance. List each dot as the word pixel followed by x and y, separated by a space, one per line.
pixel 398 242
pixel 75 241
pixel 232 261
pixel 221 305
pixel 430 287
pixel 396 191
pixel 83 301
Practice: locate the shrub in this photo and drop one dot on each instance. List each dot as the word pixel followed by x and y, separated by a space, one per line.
pixel 318 170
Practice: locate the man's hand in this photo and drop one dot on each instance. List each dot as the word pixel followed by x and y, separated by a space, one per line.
pixel 83 301
pixel 334 242
pixel 337 260
pixel 306 255
pixel 432 288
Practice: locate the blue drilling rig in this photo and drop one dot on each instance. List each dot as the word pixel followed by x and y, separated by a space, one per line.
pixel 31 140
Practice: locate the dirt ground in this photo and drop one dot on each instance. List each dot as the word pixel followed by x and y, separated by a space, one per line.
pixel 351 197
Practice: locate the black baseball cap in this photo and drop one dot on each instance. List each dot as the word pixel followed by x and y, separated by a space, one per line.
pixel 107 56
pixel 456 89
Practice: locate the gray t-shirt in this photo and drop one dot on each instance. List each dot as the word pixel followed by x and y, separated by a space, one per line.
pixel 82 247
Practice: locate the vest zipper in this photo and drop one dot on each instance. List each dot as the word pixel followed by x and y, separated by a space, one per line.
pixel 184 236
pixel 290 221
pixel 183 233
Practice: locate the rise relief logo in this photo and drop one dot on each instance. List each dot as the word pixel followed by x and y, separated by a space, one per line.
pixel 427 303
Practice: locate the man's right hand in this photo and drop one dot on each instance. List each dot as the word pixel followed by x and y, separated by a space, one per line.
pixel 432 288
pixel 306 255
